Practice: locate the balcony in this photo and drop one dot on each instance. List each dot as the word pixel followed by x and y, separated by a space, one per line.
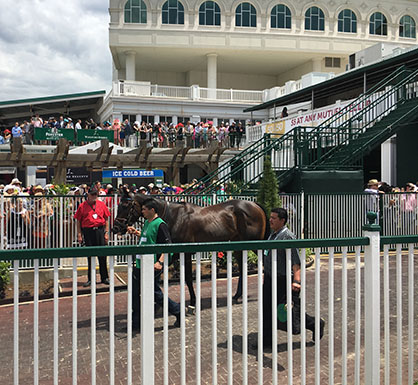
pixel 195 93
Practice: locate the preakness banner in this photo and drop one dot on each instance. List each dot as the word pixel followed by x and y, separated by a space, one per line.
pixel 93 135
pixel 54 134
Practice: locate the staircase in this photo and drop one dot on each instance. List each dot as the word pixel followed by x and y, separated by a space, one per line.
pixel 339 143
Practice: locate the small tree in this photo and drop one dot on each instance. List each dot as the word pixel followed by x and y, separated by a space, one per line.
pixel 268 192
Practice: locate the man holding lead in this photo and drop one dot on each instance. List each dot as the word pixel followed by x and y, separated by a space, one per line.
pixel 278 220
pixel 155 231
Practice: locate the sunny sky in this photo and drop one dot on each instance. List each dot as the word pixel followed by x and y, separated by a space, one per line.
pixel 52 47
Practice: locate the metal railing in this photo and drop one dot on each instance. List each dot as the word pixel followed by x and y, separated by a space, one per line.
pixel 216 344
pixel 133 88
pixel 50 220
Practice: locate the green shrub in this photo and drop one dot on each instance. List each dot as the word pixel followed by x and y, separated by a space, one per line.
pixel 4 277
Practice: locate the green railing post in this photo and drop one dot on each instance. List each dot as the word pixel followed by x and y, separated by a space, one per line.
pixel 372 300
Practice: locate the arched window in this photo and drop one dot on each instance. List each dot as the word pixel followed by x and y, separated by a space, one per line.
pixel 245 15
pixel 135 12
pixel 378 24
pixel 209 13
pixel 314 19
pixel 281 17
pixel 407 27
pixel 347 21
pixel 173 12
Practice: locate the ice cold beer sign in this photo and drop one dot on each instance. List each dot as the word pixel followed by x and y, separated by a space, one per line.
pixel 133 174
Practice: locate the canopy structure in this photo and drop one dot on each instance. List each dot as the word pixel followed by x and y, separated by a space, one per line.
pixel 77 106
pixel 171 160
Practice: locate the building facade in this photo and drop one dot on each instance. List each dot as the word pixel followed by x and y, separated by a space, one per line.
pixel 192 59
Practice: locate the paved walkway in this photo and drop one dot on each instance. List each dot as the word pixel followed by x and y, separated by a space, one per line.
pixel 84 335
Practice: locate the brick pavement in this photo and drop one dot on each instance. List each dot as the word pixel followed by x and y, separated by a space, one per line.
pixel 84 358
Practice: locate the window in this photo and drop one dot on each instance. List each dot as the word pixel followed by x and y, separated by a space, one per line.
pixel 333 62
pixel 147 119
pixel 166 119
pixel 347 21
pixel 131 118
pixel 173 12
pixel 378 24
pixel 209 13
pixel 314 19
pixel 183 119
pixel 407 27
pixel 281 17
pixel 135 12
pixel 245 15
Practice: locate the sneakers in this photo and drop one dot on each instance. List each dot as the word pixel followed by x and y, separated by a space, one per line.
pixel 106 282
pixel 321 330
pixel 87 284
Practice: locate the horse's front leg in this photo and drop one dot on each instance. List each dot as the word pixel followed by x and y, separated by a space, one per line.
pixel 238 257
pixel 189 281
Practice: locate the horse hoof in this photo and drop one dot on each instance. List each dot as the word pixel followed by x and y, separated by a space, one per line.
pixel 191 310
pixel 236 300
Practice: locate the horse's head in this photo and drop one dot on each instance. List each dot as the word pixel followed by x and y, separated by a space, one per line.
pixel 129 211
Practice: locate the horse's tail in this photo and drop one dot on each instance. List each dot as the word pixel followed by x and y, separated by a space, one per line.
pixel 267 231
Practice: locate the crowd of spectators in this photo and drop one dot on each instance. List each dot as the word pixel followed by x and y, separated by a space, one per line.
pixel 161 135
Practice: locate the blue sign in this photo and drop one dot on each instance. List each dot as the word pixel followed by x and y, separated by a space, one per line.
pixel 132 174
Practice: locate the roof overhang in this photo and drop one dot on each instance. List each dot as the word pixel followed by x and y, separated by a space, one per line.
pixel 345 86
pixel 79 106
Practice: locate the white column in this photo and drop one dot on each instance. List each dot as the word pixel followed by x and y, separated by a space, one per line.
pixel 130 65
pixel 388 161
pixel 317 64
pixel 212 74
pixel 139 118
pixel 372 301
pixel 156 118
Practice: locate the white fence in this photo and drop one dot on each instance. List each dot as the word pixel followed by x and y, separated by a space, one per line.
pixel 88 339
pixel 45 222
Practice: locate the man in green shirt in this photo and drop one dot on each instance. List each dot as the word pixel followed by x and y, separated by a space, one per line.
pixel 155 231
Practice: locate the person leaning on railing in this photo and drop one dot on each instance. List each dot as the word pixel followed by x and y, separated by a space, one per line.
pixel 278 220
pixel 93 225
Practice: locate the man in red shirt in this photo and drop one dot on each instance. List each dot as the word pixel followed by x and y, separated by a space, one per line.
pixel 93 225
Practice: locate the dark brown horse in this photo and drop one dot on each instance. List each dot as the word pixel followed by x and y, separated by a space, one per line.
pixel 233 220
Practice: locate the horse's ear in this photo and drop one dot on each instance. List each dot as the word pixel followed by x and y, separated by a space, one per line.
pixel 125 194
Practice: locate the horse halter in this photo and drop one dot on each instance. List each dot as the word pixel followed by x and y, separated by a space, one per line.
pixel 133 214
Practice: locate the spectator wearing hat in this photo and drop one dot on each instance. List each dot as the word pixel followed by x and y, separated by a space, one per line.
pixel 7 136
pixel 41 212
pixel 93 226
pixel 16 182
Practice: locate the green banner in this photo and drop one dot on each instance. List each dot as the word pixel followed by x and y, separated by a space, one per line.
pixel 93 135
pixel 54 134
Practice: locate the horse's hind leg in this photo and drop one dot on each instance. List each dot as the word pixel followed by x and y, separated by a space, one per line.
pixel 189 280
pixel 238 257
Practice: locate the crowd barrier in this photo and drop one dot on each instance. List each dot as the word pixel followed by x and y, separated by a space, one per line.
pixel 48 222
pixel 89 339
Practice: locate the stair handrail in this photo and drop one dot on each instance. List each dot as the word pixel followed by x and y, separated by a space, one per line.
pixel 236 157
pixel 361 99
pixel 377 137
pixel 363 112
pixel 270 144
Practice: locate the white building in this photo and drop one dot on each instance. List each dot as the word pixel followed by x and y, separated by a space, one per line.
pixel 193 59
